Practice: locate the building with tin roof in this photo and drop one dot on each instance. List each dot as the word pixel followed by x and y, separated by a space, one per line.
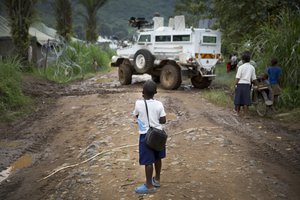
pixel 39 32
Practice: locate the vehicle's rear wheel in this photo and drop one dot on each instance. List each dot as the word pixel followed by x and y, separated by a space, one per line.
pixel 170 77
pixel 200 82
pixel 143 61
pixel 125 74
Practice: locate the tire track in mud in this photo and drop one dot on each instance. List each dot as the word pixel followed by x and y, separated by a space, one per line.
pixel 262 141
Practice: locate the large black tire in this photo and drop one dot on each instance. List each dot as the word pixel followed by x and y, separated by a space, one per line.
pixel 143 61
pixel 170 77
pixel 125 74
pixel 200 82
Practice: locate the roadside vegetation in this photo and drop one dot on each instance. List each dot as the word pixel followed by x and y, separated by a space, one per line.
pixel 12 101
pixel 82 63
pixel 222 89
pixel 80 60
pixel 281 40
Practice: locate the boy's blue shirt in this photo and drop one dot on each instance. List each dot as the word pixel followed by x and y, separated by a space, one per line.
pixel 274 74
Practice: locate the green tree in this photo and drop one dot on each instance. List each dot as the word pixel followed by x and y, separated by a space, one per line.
pixel 91 7
pixel 21 14
pixel 193 10
pixel 63 12
pixel 240 20
pixel 281 41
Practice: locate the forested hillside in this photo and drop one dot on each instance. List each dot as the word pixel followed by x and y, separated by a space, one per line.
pixel 112 17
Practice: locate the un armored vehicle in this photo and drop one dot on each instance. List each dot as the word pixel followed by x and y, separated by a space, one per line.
pixel 168 53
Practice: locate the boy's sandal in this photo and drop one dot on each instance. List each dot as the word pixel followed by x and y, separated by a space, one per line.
pixel 155 183
pixel 142 189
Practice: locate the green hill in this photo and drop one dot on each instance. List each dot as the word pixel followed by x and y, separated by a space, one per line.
pixel 112 17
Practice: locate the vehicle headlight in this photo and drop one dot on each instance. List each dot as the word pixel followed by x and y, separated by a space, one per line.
pixel 114 59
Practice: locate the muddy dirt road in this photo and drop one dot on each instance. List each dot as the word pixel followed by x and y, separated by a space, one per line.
pixel 82 144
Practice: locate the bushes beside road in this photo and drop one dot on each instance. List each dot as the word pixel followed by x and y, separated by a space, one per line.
pixel 77 61
pixel 12 100
pixel 222 87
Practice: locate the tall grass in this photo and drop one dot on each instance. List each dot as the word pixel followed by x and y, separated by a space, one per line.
pixel 12 100
pixel 85 55
pixel 79 60
pixel 223 83
pixel 222 77
pixel 289 99
pixel 281 40
pixel 218 97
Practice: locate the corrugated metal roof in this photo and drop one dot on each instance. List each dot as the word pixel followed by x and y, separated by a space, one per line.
pixel 38 29
pixel 4 28
pixel 44 29
pixel 42 35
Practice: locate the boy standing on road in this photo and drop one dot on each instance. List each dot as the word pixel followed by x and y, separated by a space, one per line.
pixel 148 156
pixel 244 77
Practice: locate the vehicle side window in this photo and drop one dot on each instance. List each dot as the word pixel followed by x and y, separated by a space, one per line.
pixel 163 38
pixel 181 38
pixel 145 38
pixel 209 39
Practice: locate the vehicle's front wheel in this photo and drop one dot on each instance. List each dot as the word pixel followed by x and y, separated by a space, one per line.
pixel 170 77
pixel 125 74
pixel 200 82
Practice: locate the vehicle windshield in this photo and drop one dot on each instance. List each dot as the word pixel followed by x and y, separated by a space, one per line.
pixel 145 38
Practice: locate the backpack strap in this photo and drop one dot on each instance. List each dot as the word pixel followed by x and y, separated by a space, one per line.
pixel 147 113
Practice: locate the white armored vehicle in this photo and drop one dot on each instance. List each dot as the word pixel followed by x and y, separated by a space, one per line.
pixel 170 52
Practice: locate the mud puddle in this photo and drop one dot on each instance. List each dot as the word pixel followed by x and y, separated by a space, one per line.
pixel 24 161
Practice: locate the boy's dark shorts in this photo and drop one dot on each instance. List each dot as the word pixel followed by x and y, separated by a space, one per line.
pixel 147 155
